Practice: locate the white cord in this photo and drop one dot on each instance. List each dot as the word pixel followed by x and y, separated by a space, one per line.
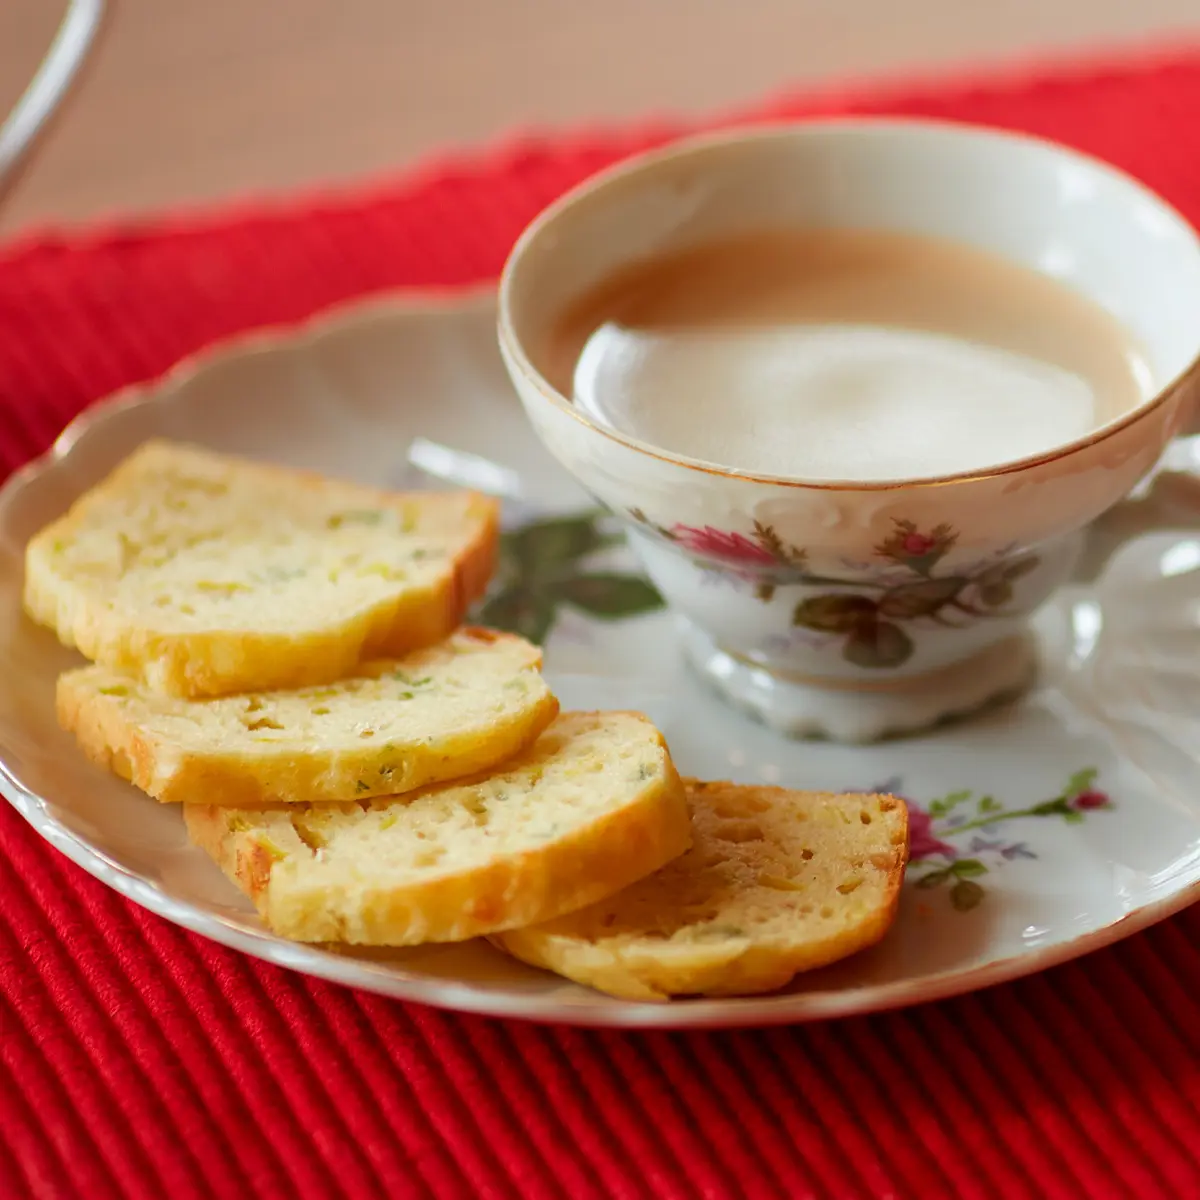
pixel 48 87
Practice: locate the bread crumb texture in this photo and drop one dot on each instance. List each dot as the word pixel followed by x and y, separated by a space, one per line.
pixel 776 882
pixel 440 713
pixel 206 575
pixel 594 804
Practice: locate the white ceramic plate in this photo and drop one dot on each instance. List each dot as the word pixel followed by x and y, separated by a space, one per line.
pixel 1041 831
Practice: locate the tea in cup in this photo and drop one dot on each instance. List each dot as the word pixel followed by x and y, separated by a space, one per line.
pixel 858 389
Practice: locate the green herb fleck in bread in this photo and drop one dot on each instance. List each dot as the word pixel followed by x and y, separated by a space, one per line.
pixel 452 709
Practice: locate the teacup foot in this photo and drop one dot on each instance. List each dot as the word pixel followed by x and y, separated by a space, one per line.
pixel 843 714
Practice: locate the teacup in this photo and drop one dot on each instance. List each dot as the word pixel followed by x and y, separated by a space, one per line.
pixel 858 609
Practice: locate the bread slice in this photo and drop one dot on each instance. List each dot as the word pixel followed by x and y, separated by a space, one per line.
pixel 776 882
pixel 451 710
pixel 206 575
pixel 592 805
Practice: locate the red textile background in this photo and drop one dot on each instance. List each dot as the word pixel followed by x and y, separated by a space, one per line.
pixel 139 1061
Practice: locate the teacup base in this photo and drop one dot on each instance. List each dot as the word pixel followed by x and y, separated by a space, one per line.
pixel 844 714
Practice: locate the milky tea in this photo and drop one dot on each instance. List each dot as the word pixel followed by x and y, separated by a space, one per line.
pixel 844 355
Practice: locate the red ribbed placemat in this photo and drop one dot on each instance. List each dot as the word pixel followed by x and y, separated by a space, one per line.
pixel 137 1060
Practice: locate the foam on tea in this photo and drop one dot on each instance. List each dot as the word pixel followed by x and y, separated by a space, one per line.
pixel 845 355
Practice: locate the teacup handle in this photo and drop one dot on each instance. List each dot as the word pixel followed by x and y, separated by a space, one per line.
pixel 1171 501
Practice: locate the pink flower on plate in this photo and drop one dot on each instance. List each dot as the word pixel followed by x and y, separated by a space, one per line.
pixel 1091 799
pixel 921 840
pixel 735 547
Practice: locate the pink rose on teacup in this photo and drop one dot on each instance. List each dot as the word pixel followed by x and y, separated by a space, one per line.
pixel 716 542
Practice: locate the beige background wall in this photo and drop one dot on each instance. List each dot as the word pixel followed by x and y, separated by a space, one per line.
pixel 195 100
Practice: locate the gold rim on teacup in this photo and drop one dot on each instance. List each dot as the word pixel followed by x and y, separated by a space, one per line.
pixel 1188 376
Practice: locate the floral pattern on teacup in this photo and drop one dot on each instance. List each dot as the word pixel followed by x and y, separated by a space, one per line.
pixel 764 549
pixel 937 855
pixel 761 553
pixel 877 612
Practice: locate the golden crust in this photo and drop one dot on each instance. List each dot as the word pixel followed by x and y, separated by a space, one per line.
pixel 563 854
pixel 84 611
pixel 776 882
pixel 333 743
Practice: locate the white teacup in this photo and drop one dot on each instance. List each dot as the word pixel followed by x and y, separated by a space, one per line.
pixel 856 609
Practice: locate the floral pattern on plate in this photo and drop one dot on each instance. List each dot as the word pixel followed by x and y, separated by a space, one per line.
pixel 548 563
pixel 937 856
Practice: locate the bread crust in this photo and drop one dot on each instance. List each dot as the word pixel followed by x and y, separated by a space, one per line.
pixel 79 597
pixel 631 826
pixel 739 913
pixel 457 708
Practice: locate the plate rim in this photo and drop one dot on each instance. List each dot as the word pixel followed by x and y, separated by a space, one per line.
pixel 447 994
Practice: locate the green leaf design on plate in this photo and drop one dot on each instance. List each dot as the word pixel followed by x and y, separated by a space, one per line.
pixel 949 802
pixel 609 595
pixel 966 895
pixel 934 878
pixel 968 868
pixel 543 566
pixel 1081 781
pixel 1049 808
pixel 878 644
pixel 920 599
pixel 549 547
pixel 1073 804
pixel 837 613
pixel 520 610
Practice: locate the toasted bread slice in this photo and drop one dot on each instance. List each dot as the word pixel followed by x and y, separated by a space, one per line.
pixel 592 805
pixel 450 710
pixel 776 882
pixel 206 575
